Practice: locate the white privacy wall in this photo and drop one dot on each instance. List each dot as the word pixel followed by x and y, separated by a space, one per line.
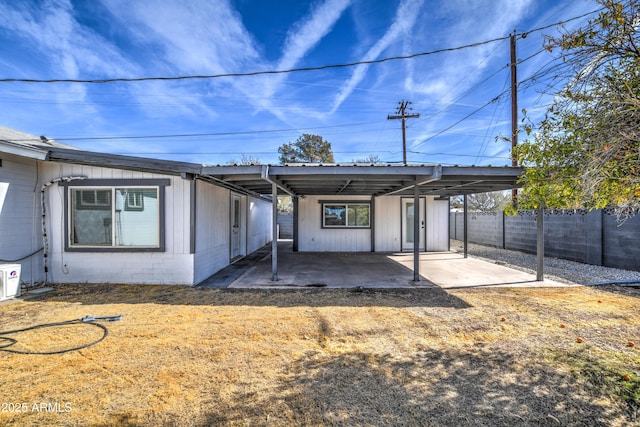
pixel 313 238
pixel 20 229
pixel 174 266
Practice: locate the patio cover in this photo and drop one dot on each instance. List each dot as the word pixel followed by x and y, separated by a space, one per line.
pixel 302 180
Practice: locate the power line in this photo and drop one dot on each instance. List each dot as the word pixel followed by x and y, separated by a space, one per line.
pixel 190 135
pixel 252 73
pixel 497 98
pixel 291 70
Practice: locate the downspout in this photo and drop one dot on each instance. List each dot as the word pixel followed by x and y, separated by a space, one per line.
pixel 45 240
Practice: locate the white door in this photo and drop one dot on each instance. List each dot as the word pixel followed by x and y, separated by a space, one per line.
pixel 236 221
pixel 408 216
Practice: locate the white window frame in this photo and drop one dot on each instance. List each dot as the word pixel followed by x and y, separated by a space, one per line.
pixel 346 206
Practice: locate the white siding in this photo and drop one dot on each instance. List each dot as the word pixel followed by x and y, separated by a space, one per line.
pixel 20 215
pixel 437 225
pixel 313 238
pixel 388 211
pixel 259 223
pixel 212 229
pixel 174 266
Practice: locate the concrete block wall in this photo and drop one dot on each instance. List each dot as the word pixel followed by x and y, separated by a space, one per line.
pixel 485 227
pixel 621 243
pixel 594 237
pixel 520 232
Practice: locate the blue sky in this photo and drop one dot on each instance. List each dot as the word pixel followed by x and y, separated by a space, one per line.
pixel 221 119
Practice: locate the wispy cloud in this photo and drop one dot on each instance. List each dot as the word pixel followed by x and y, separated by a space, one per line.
pixel 404 20
pixel 457 71
pixel 71 48
pixel 196 36
pixel 301 39
pixel 308 33
pixel 64 49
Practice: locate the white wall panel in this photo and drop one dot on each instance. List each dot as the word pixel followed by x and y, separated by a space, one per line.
pixel 20 215
pixel 312 237
pixel 388 211
pixel 174 266
pixel 212 230
pixel 259 223
pixel 437 225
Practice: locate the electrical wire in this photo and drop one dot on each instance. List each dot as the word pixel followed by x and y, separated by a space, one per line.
pixel 291 70
pixel 496 99
pixel 253 73
pixel 194 135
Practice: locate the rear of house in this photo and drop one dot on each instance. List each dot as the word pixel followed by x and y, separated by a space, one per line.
pixel 76 217
pixel 364 224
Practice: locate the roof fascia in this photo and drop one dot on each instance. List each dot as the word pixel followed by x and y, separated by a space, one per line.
pixel 168 167
pixel 20 150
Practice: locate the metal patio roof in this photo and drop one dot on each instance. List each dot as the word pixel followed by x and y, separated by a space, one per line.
pixel 363 180
pixel 313 179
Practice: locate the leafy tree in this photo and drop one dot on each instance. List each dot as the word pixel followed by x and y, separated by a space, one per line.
pixel 285 204
pixel 586 151
pixel 495 201
pixel 306 149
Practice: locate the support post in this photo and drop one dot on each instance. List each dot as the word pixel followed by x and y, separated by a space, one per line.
pixel 295 223
pixel 274 237
pixel 540 244
pixel 416 233
pixel 465 226
pixel 372 223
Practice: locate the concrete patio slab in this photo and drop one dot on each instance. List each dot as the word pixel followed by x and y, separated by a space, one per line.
pixel 450 270
pixel 376 270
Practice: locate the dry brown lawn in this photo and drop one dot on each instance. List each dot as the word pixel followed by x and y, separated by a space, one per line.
pixel 184 357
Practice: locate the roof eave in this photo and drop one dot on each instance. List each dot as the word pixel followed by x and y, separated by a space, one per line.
pixel 23 151
pixel 167 167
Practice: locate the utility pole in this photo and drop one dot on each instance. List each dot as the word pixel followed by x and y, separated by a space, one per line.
pixel 514 111
pixel 401 113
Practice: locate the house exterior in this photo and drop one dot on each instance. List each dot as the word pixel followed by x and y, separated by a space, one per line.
pixel 72 216
pixel 118 219
pixel 360 224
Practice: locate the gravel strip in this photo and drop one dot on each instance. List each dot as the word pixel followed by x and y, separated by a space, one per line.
pixel 557 269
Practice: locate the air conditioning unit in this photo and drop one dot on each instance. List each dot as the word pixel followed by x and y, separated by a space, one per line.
pixel 9 281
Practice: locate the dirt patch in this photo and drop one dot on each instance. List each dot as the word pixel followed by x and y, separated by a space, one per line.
pixel 184 356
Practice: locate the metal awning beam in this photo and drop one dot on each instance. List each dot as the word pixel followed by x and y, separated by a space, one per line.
pixel 420 180
pixel 265 174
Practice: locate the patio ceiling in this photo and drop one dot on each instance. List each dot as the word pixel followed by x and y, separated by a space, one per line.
pixel 370 180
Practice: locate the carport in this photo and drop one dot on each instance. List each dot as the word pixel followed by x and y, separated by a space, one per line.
pixel 372 181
